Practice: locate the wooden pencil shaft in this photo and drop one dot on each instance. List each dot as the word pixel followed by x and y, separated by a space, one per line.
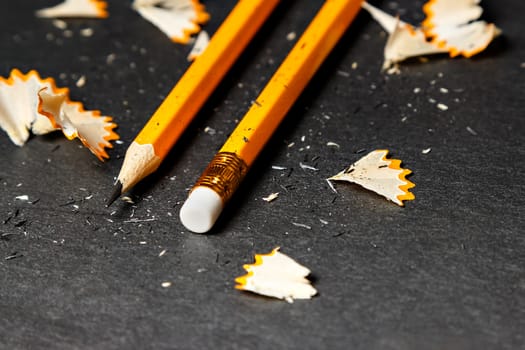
pixel 187 97
pixel 266 113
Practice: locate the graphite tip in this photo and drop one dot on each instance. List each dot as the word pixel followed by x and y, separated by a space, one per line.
pixel 116 193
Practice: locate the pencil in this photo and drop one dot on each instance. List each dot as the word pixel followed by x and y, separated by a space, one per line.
pixel 229 166
pixel 160 133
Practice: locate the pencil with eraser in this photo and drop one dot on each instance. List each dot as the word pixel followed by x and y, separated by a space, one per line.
pixel 229 166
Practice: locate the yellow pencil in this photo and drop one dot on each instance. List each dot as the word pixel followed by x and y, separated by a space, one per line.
pixel 229 166
pixel 158 136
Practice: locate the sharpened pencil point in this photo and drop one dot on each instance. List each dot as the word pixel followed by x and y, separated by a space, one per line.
pixel 116 193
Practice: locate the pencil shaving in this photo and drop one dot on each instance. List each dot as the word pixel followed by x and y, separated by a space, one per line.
pixel 93 130
pixel 450 26
pixel 404 42
pixel 453 25
pixel 29 103
pixel 381 175
pixel 19 105
pixel 201 42
pixel 76 9
pixel 178 19
pixel 276 275
pixel 388 22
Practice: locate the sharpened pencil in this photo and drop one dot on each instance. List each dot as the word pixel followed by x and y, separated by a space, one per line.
pixel 176 112
pixel 229 166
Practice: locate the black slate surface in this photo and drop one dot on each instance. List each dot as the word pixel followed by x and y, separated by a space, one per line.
pixel 445 272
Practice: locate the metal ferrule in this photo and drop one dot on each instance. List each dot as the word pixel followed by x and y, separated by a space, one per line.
pixel 224 174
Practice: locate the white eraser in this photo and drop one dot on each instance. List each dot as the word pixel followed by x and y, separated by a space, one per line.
pixel 200 211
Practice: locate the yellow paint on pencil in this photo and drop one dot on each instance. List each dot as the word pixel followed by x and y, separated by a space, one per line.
pixel 257 126
pixel 180 106
pixel 266 113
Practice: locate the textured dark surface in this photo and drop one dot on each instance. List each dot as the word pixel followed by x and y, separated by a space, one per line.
pixel 445 272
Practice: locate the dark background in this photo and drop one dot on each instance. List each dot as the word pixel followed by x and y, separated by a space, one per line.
pixel 445 272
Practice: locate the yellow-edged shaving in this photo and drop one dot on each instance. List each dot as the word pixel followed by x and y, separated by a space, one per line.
pixel 276 275
pixel 30 103
pixel 377 173
pixel 76 9
pixel 92 129
pixel 404 42
pixel 178 19
pixel 450 26
pixel 453 25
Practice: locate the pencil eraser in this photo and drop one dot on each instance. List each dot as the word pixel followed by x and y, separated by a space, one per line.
pixel 200 211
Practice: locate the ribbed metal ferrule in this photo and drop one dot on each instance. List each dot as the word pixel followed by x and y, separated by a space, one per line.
pixel 224 174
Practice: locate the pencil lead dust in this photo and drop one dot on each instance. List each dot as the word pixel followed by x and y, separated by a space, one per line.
pixel 60 24
pixel 134 221
pixel 333 144
pixel 13 256
pixel 81 81
pixel 307 167
pixel 471 131
pixel 442 106
pixel 302 225
pixel 210 131
pixel 331 185
pixel 271 197
pixel 87 32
